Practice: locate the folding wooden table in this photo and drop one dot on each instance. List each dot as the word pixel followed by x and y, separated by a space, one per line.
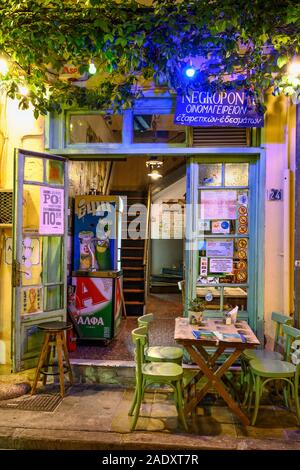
pixel 205 352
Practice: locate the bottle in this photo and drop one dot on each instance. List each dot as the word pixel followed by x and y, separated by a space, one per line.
pixel 103 246
pixel 87 255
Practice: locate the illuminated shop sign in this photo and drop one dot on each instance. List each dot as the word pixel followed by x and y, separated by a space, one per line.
pixel 227 108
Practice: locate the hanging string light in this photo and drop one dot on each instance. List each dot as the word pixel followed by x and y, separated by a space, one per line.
pixel 92 68
pixel 23 90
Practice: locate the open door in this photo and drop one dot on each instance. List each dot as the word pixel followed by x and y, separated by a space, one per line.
pixel 39 251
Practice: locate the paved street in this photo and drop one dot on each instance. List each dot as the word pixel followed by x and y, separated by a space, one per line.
pixel 95 417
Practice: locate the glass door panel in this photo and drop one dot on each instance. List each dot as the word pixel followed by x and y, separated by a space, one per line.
pixel 39 267
pixel 223 235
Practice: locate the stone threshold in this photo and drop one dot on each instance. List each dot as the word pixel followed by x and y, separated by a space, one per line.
pixel 101 363
pixel 113 363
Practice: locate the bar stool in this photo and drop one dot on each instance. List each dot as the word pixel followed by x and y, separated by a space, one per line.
pixel 54 338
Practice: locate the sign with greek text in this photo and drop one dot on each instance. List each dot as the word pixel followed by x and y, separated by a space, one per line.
pixel 219 248
pixel 220 265
pixel 51 211
pixel 227 109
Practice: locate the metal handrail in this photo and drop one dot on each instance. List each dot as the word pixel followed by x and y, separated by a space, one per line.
pixel 146 246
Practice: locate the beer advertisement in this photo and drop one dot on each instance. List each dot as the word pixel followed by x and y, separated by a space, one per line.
pixel 94 234
pixel 90 306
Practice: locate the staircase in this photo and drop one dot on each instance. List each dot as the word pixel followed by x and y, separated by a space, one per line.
pixel 132 251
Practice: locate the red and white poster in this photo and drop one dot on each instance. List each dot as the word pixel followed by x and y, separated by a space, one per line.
pixel 51 211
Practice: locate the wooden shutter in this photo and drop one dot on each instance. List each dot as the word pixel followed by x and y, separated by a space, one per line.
pixel 221 137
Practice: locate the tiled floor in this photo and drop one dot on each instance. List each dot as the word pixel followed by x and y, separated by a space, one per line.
pixel 166 307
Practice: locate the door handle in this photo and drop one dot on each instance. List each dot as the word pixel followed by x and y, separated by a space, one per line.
pixel 16 273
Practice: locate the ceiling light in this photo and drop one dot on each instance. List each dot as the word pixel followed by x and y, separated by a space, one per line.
pixel 155 175
pixel 154 164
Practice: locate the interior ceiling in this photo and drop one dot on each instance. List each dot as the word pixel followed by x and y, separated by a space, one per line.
pixel 131 174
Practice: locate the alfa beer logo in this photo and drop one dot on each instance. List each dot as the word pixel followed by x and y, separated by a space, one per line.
pixel 87 292
pixel 90 321
pixel 88 295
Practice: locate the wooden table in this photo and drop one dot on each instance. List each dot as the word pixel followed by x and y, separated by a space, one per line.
pixel 197 348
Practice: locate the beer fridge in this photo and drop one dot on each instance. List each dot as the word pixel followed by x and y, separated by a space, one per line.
pixel 95 291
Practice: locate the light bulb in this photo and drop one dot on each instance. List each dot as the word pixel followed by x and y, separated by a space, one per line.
pixel 155 175
pixel 23 90
pixel 92 68
pixel 294 68
pixel 3 67
pixel 190 72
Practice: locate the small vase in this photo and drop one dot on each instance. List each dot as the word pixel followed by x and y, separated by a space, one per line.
pixel 195 318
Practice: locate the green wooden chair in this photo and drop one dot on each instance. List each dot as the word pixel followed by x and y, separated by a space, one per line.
pixel 262 354
pixel 279 320
pixel 159 353
pixel 147 373
pixel 266 370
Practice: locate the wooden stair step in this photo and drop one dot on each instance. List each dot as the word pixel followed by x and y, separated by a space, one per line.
pixel 131 257
pixel 133 279
pixel 132 248
pixel 133 291
pixel 134 302
pixel 133 268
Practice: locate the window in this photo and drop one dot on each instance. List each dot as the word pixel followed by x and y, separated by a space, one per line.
pixel 157 128
pixel 94 128
pixel 223 235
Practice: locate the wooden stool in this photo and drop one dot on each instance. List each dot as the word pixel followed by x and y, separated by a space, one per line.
pixel 54 338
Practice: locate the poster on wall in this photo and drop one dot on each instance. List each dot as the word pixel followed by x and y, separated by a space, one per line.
pixel 220 265
pixel 219 248
pixel 51 211
pixel 218 204
pixel 30 251
pixel 32 300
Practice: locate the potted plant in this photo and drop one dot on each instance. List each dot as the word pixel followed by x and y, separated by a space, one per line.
pixel 195 310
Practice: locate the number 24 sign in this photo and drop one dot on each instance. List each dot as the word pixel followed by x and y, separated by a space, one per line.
pixel 51 211
pixel 275 194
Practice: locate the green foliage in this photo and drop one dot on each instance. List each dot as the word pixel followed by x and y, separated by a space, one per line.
pixel 235 43
pixel 196 305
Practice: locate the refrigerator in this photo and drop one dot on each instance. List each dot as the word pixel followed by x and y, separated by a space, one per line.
pixel 95 291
